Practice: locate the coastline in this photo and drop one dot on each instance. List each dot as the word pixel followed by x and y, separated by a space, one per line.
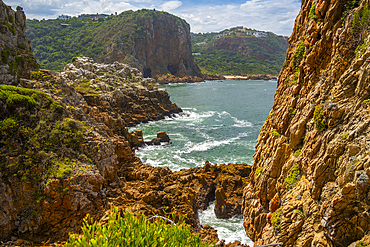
pixel 250 77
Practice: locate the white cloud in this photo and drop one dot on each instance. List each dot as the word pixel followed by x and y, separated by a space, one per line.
pixel 266 15
pixel 171 5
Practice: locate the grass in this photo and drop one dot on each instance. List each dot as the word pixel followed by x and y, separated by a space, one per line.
pixel 276 133
pixel 258 172
pixel 293 177
pixel 343 137
pixel 276 219
pixel 124 229
pixel 298 55
pixel 312 14
pixel 318 117
pixel 297 153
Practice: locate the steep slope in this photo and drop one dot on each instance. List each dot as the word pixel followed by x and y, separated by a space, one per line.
pixel 310 178
pixel 155 42
pixel 238 51
pixel 16 55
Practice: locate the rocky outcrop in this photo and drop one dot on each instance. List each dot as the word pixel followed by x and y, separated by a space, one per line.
pixel 120 95
pixel 166 79
pixel 16 54
pixel 310 179
pixel 65 153
pixel 261 77
pixel 166 47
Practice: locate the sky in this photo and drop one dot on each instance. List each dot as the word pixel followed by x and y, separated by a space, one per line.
pixel 275 16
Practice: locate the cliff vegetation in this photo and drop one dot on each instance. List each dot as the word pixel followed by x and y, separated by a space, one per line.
pixel 239 51
pixel 155 42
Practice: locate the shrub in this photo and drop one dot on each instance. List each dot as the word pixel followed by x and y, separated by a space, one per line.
pixel 276 133
pixel 297 152
pixel 300 213
pixel 38 75
pixel 127 230
pixel 318 117
pixel 312 14
pixel 343 137
pixel 258 172
pixel 293 177
pixel 276 219
pixel 5 55
pixel 298 55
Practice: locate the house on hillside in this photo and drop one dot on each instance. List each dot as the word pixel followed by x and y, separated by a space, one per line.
pixel 92 16
pixel 65 25
pixel 260 34
pixel 64 17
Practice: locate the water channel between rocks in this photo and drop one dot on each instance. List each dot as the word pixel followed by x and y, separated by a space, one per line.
pixel 220 123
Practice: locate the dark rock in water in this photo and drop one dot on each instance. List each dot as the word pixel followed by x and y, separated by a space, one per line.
pixel 161 137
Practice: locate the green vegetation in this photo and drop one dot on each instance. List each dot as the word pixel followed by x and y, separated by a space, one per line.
pixel 361 49
pixel 348 6
pixel 343 137
pixel 36 142
pixel 276 133
pixel 258 172
pixel 300 212
pixel 276 219
pixel 350 169
pixel 297 153
pixel 291 112
pixel 5 55
pixel 84 87
pixel 238 55
pixel 318 117
pixel 361 244
pixel 298 55
pixel 366 101
pixel 293 177
pixel 55 45
pixel 38 75
pixel 124 229
pixel 312 14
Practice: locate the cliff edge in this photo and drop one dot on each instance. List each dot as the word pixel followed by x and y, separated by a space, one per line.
pixel 16 53
pixel 310 178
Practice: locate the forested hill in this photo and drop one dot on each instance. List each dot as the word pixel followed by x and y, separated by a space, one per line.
pixel 156 42
pixel 239 51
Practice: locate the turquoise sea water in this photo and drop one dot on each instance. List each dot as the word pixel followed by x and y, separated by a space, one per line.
pixel 220 123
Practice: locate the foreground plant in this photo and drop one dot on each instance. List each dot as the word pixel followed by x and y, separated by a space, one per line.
pixel 124 229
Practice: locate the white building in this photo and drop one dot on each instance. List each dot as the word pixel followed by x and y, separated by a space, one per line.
pixel 64 17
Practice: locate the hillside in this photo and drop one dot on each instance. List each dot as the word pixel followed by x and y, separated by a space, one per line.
pixel 239 51
pixel 155 42
pixel 310 180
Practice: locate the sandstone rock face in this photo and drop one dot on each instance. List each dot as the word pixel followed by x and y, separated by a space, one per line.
pixel 310 177
pixel 16 56
pixel 168 42
pixel 161 46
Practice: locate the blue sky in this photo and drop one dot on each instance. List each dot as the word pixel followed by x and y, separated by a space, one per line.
pixel 202 15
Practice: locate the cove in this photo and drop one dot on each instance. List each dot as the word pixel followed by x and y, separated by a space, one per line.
pixel 220 123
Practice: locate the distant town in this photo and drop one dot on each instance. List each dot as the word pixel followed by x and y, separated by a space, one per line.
pixel 85 17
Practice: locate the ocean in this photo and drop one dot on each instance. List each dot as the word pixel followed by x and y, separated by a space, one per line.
pixel 220 123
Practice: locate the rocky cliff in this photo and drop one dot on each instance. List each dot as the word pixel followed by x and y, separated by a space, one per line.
pixel 310 178
pixel 156 42
pixel 16 54
pixel 65 152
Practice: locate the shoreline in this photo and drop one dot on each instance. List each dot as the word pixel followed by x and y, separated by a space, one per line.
pixel 250 77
